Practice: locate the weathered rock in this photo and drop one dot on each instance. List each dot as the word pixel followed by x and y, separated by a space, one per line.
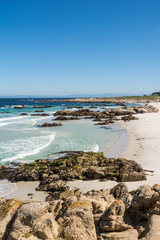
pixel 39 111
pixel 153 228
pixel 78 222
pixel 51 124
pixel 24 114
pixel 144 197
pixel 94 173
pixel 7 211
pixel 21 106
pixel 33 221
pixel 112 219
pixel 63 118
pixel 128 118
pixel 130 234
pixel 46 106
pixel 120 191
pixel 49 185
pixel 40 114
pixel 143 200
pixel 77 165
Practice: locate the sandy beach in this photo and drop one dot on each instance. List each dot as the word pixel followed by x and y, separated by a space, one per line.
pixel 143 147
pixel 26 191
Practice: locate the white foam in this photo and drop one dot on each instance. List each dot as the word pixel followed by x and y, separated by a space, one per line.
pixel 35 121
pixel 12 118
pixel 7 187
pixel 95 148
pixel 3 124
pixel 26 147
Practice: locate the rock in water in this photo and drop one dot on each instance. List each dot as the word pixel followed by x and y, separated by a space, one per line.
pixel 51 124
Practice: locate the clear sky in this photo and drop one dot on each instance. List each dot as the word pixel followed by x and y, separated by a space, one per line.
pixel 62 47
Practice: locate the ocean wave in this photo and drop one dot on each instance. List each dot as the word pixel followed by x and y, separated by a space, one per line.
pixel 19 149
pixel 95 148
pixel 3 124
pixel 12 118
pixel 7 187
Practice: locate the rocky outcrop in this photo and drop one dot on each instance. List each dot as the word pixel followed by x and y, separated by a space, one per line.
pixel 23 114
pixel 33 221
pixel 82 112
pixel 39 111
pixel 77 165
pixel 51 185
pixel 112 219
pixel 63 118
pixel 51 124
pixel 96 215
pixel 128 118
pixel 39 114
pixel 78 222
pixel 46 106
pixel 145 202
pixel 130 234
pixel 8 209
pixel 153 228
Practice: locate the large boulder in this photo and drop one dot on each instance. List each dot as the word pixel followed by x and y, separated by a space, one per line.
pixel 33 221
pixel 112 219
pixel 49 185
pixel 130 234
pixel 7 211
pixel 78 222
pixel 120 191
pixel 144 202
pixel 51 124
pixel 94 173
pixel 153 229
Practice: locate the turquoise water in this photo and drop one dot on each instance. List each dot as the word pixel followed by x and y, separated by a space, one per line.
pixel 21 140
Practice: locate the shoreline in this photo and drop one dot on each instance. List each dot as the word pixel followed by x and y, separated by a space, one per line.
pixel 140 145
pixel 26 191
pixel 143 147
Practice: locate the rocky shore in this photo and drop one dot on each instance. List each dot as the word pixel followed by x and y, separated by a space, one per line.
pixel 112 214
pixel 68 213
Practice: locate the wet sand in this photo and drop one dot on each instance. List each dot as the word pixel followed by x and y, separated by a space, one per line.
pixel 26 191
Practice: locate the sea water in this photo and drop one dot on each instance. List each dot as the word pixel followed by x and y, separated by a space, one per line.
pixel 23 141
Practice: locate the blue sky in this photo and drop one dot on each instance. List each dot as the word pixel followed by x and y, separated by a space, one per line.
pixel 62 47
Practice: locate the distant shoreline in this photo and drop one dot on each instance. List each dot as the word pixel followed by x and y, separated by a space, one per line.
pixel 136 99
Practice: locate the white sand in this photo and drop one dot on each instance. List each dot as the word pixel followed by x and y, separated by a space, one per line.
pixel 25 188
pixel 143 147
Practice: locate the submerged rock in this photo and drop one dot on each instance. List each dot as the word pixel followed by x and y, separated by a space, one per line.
pixel 63 118
pixel 51 124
